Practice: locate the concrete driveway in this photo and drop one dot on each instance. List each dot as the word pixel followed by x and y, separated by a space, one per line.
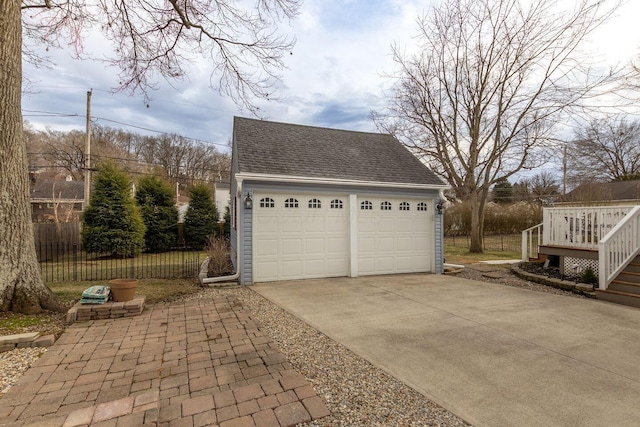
pixel 492 354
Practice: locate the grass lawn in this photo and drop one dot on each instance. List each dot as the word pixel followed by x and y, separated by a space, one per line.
pixel 155 290
pixel 460 255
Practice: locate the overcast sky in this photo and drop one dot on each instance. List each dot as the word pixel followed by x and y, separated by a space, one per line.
pixel 335 76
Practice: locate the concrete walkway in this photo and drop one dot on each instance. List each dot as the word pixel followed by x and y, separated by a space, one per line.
pixel 492 354
pixel 203 362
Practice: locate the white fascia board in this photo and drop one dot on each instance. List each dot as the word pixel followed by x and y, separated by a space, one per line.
pixel 333 181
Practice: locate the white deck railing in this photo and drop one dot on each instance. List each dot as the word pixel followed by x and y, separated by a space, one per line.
pixel 531 239
pixel 580 227
pixel 618 248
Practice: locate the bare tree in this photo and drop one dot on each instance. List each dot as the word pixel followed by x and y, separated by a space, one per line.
pixel 606 149
pixel 481 96
pixel 185 160
pixel 151 40
pixel 543 188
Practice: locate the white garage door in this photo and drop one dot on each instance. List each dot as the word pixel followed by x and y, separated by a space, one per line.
pixel 299 236
pixel 394 235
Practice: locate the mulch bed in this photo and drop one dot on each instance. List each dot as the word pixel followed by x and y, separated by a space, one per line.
pixel 551 272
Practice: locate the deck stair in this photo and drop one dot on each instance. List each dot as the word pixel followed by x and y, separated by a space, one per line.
pixel 625 288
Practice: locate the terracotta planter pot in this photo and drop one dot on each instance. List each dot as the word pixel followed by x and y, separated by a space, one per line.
pixel 123 290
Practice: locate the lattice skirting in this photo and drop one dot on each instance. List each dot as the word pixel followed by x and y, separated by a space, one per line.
pixel 576 266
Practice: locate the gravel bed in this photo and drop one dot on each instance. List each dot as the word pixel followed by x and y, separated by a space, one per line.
pixel 14 363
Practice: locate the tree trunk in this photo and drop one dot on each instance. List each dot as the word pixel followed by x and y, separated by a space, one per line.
pixel 21 286
pixel 477 223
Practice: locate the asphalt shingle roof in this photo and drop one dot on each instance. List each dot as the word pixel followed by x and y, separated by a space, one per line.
pixel 274 148
pixel 615 190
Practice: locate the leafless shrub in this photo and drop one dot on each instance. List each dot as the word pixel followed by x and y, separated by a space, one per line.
pixel 218 253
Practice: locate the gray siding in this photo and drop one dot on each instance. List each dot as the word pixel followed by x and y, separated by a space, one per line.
pixel 245 222
pixel 233 235
pixel 439 241
pixel 246 241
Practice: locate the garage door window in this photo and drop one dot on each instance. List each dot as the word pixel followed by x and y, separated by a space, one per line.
pixel 422 206
pixel 366 206
pixel 267 202
pixel 385 206
pixel 315 204
pixel 291 203
pixel 336 204
pixel 404 206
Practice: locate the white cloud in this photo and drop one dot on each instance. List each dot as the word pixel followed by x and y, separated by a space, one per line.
pixel 334 77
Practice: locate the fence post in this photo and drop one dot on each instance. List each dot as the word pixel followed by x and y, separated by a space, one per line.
pixel 75 261
pixel 133 259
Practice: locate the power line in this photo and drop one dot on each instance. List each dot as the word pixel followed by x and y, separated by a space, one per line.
pixel 124 159
pixel 59 114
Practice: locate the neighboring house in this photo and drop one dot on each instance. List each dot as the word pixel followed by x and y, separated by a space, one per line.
pixel 311 202
pixel 221 196
pixel 604 193
pixel 56 200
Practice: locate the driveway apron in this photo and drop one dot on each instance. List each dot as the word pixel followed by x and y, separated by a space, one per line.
pixel 492 354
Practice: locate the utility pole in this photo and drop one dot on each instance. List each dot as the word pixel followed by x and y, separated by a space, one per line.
pixel 564 170
pixel 87 157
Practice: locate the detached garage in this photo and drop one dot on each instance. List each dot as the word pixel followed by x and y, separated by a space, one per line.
pixel 311 202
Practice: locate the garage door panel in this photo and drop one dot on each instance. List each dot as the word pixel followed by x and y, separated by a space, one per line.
pixel 405 244
pixel 291 268
pixel 314 268
pixel 337 266
pixel 267 248
pixel 409 225
pixel 394 241
pixel 336 225
pixel 291 246
pixel 291 225
pixel 269 224
pixel 405 263
pixel 385 225
pixel 365 224
pixel 314 246
pixel 335 245
pixel 385 264
pixel 384 244
pixel 314 224
pixel 366 245
pixel 268 270
pixel 421 245
pixel 310 242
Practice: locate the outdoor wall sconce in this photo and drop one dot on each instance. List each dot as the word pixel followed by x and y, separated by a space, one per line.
pixel 248 202
pixel 439 207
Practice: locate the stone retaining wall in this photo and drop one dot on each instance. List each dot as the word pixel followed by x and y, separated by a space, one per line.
pixel 108 310
pixel 31 339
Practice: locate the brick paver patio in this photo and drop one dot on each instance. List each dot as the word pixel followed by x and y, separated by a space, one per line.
pixel 203 362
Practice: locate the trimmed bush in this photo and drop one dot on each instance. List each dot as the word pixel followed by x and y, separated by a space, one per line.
pixel 201 218
pixel 160 216
pixel 112 222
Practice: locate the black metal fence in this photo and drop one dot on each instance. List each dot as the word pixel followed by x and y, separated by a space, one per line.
pixel 69 262
pixel 492 243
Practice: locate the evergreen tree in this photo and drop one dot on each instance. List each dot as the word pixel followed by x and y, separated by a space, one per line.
pixel 503 192
pixel 112 221
pixel 201 219
pixel 160 216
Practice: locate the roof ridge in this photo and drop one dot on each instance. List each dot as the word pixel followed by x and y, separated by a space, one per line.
pixel 314 127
